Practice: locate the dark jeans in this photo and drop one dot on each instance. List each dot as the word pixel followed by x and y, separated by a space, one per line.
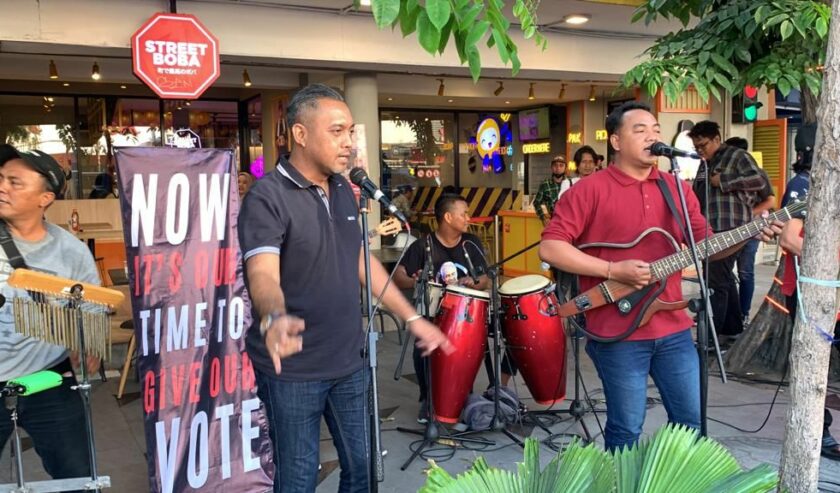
pixel 746 276
pixel 624 367
pixel 55 421
pixel 726 304
pixel 294 411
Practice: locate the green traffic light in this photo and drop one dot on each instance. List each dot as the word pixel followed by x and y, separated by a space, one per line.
pixel 751 113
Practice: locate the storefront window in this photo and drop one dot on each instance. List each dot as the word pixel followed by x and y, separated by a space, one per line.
pixel 43 123
pixel 417 149
pixel 215 122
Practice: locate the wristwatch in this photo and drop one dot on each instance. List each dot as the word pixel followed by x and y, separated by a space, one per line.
pixel 267 320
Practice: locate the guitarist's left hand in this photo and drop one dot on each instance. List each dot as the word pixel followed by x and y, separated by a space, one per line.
pixel 772 230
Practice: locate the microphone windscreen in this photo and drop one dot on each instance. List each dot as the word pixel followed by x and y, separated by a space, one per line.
pixel 357 176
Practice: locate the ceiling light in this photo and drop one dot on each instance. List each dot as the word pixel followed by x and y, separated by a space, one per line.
pixel 531 91
pixel 365 3
pixel 187 103
pixel 122 86
pixel 94 73
pixel 450 100
pixel 507 102
pixel 576 19
pixel 53 70
pixel 562 91
pixel 50 99
pixel 500 88
pixel 390 99
pixel 592 92
pixel 441 88
pixel 246 79
pixel 66 84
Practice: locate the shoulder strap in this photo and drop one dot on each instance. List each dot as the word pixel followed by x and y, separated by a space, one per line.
pixel 8 244
pixel 669 199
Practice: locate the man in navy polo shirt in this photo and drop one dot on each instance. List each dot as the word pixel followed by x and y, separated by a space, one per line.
pixel 616 206
pixel 304 268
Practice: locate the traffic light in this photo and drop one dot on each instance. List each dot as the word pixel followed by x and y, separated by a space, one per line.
pixel 751 104
pixel 745 106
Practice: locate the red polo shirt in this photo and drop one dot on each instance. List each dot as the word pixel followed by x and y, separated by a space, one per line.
pixel 611 206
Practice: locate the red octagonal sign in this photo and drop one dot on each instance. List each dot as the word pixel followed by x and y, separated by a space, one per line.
pixel 175 55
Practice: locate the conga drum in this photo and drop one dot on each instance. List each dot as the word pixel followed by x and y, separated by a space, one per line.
pixel 462 316
pixel 534 335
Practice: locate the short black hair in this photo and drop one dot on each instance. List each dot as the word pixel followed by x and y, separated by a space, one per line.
pixel 306 99
pixel 444 204
pixel 585 150
pixel 706 128
pixel 739 142
pixel 613 122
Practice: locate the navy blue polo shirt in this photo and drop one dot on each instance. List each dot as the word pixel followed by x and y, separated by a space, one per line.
pixel 318 239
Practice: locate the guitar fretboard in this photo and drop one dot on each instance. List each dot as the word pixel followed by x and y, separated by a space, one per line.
pixel 664 267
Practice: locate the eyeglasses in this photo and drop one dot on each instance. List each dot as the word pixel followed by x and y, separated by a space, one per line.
pixel 702 145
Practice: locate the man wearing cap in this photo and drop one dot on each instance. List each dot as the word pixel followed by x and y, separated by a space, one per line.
pixel 551 189
pixel 54 419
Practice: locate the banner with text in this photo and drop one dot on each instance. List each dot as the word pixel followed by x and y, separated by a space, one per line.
pixel 205 428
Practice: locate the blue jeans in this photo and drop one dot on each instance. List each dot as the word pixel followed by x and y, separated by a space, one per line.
pixel 55 421
pixel 746 275
pixel 624 367
pixel 294 411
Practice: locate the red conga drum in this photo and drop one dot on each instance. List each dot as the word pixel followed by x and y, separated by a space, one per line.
pixel 462 316
pixel 535 336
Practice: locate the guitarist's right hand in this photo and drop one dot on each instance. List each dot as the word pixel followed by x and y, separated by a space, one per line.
pixel 635 273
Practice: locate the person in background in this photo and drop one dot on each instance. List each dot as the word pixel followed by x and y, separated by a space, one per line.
pixel 798 186
pixel 552 188
pixel 599 164
pixel 403 203
pixel 244 180
pixel 586 159
pixel 746 258
pixel 103 187
pixel 734 183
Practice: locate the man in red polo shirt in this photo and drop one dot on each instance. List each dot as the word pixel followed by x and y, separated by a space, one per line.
pixel 616 206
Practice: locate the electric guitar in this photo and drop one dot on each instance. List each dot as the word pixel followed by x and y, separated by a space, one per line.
pixel 643 303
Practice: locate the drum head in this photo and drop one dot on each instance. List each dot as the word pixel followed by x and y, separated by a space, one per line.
pixel 524 284
pixel 473 293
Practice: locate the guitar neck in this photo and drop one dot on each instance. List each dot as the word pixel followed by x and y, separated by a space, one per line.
pixel 664 267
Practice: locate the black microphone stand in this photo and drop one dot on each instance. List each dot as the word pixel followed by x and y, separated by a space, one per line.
pixel 701 307
pixel 431 433
pixel 376 470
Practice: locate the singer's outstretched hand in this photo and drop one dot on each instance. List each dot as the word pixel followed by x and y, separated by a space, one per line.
pixel 282 338
pixel 429 337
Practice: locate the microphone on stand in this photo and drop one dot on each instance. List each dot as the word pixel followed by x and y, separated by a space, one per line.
pixel 361 180
pixel 469 263
pixel 660 149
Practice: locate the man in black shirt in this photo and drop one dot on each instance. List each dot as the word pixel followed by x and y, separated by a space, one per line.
pixel 301 245
pixel 450 244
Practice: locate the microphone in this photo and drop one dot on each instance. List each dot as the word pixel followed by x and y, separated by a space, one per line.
pixel 469 263
pixel 660 149
pixel 361 180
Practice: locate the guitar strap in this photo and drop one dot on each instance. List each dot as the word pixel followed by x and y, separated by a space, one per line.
pixel 8 244
pixel 669 199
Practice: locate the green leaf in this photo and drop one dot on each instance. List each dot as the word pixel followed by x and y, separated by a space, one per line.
pixel 477 32
pixel 471 15
pixel 529 33
pixel 385 12
pixel 474 59
pixel 408 19
pixel 438 12
pixel 427 33
pixel 723 82
pixel 725 64
pixel 821 26
pixel 783 86
pixel 702 90
pixel 444 36
pixel 501 46
pixel 787 29
pixel 703 58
